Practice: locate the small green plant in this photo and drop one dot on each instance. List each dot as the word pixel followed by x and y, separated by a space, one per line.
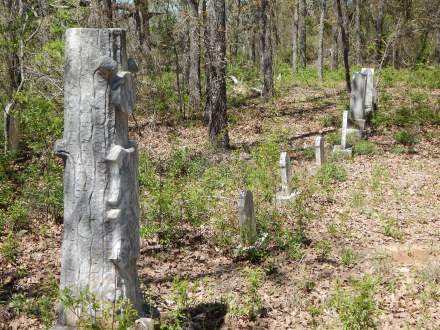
pixel 40 308
pixel 331 172
pixel 391 229
pixel 178 317
pixel 405 138
pixel 333 138
pixel 364 148
pixel 323 249
pixel 308 153
pixel 348 257
pixel 9 248
pixel 16 216
pixel 328 120
pixel 357 199
pixel 357 309
pixel 95 314
pixel 253 302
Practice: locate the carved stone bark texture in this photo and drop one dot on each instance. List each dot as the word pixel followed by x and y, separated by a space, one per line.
pixel 101 211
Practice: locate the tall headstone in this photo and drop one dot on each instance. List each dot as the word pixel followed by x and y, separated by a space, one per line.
pixel 247 223
pixel 319 150
pixel 11 129
pixel 357 99
pixel 101 212
pixel 346 131
pixel 285 195
pixel 370 93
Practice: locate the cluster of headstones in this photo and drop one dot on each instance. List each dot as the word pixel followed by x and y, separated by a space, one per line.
pixel 354 122
pixel 362 105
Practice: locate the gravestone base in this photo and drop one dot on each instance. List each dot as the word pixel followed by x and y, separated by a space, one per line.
pixel 345 153
pixel 284 200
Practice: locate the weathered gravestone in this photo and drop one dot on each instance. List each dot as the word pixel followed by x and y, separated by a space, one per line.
pixel 247 224
pixel 285 195
pixel 357 99
pixel 11 129
pixel 347 132
pixel 319 150
pixel 370 93
pixel 101 211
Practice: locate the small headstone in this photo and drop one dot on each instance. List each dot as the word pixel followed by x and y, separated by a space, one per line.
pixel 319 150
pixel 11 130
pixel 357 99
pixel 248 226
pixel 343 147
pixel 285 195
pixel 370 93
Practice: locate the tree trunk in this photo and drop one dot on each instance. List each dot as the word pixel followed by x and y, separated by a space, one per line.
pixel 302 33
pixel 194 57
pixel 438 46
pixel 379 29
pixel 357 32
pixel 345 44
pixel 101 13
pixel 266 48
pixel 142 19
pixel 101 212
pixel 216 53
pixel 320 62
pixel 335 47
pixel 295 38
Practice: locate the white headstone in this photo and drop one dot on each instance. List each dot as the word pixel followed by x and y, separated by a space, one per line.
pixel 370 93
pixel 285 173
pixel 345 126
pixel 319 150
pixel 248 226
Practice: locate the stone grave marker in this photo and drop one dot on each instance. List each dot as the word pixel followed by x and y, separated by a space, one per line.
pixel 101 212
pixel 319 150
pixel 357 99
pixel 285 195
pixel 247 223
pixel 370 93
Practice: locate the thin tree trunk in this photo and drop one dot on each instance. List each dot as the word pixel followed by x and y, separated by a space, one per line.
pixel 266 48
pixel 320 62
pixel 335 40
pixel 295 38
pixel 101 14
pixel 438 47
pixel 194 57
pixel 302 33
pixel 345 44
pixel 357 32
pixel 379 28
pixel 216 52
pixel 142 19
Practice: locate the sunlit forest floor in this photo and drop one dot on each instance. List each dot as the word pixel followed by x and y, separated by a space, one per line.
pixel 358 248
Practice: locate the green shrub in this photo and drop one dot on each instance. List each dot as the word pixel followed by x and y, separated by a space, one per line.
pixel 328 121
pixel 253 303
pixel 405 138
pixel 348 257
pixel 364 148
pixel 309 153
pixel 9 248
pixel 331 172
pixel 357 310
pixel 323 249
pixel 333 138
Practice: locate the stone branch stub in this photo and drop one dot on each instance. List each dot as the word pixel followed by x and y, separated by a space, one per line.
pixel 101 210
pixel 247 223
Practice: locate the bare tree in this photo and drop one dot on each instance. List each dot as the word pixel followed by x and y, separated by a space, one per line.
pixel 266 47
pixel 379 29
pixel 336 33
pixel 295 37
pixel 101 13
pixel 216 53
pixel 345 44
pixel 302 33
pixel 194 56
pixel 357 31
pixel 320 62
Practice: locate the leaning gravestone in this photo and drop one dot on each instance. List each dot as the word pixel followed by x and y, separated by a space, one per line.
pixel 247 223
pixel 319 150
pixel 370 93
pixel 357 99
pixel 285 195
pixel 101 211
